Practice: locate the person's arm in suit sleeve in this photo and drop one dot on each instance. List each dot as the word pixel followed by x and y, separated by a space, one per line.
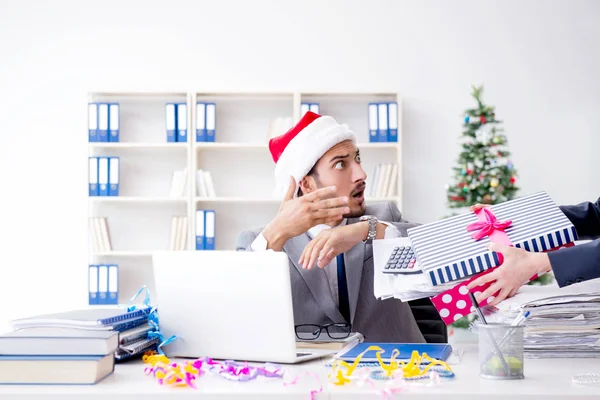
pixel 250 241
pixel 582 262
pixel 585 217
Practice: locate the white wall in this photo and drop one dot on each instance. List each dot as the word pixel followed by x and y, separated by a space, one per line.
pixel 539 61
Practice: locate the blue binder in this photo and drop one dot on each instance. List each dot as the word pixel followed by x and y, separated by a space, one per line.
pixel 113 175
pixel 113 284
pixel 102 284
pixel 171 121
pixel 211 121
pixel 209 229
pixel 382 127
pixel 113 122
pixel 200 122
pixel 373 122
pixel 103 176
pixel 93 176
pixel 392 122
pixel 200 231
pixel 103 122
pixel 93 284
pixel 440 351
pixel 93 122
pixel 182 122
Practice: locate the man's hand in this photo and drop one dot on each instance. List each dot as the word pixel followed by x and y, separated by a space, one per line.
pixel 296 216
pixel 518 267
pixel 331 242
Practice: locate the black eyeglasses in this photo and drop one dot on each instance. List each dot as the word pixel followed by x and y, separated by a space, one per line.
pixel 312 332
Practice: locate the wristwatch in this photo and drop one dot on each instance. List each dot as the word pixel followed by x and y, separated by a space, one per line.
pixel 372 228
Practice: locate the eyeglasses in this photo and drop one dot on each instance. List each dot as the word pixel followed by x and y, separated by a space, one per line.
pixel 312 332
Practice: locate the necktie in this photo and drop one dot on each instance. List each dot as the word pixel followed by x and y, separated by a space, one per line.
pixel 343 288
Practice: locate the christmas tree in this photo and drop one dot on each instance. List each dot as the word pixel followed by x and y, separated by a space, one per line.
pixel 484 173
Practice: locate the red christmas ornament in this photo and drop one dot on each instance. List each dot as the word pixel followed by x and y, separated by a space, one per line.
pixel 469 172
pixel 512 179
pixel 461 184
pixel 482 119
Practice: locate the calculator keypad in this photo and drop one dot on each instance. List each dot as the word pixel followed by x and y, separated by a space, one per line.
pixel 401 261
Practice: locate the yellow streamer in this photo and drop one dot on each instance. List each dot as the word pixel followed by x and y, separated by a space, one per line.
pixel 410 369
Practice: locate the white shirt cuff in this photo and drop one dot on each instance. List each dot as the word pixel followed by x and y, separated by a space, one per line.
pixel 390 231
pixel 259 244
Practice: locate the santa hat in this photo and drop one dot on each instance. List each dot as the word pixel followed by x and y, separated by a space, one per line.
pixel 299 149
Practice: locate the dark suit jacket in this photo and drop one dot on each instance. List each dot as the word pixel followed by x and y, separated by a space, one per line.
pixel 582 262
pixel 388 320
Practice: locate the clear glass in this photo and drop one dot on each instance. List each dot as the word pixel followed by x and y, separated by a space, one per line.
pixel 500 351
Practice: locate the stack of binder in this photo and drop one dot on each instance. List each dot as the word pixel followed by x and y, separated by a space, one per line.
pixel 176 122
pixel 306 107
pixel 205 229
pixel 104 176
pixel 103 280
pixel 383 122
pixel 206 122
pixel 103 122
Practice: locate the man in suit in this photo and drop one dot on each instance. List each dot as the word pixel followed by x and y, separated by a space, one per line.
pixel 323 221
pixel 570 265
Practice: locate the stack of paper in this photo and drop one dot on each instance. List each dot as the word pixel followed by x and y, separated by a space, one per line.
pixel 563 322
pixel 399 286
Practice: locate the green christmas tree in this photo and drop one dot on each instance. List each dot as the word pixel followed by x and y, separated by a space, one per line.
pixel 484 173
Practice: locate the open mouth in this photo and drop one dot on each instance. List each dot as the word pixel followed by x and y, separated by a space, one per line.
pixel 359 194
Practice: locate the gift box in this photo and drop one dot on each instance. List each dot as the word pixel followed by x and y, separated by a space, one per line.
pixel 456 248
pixel 455 303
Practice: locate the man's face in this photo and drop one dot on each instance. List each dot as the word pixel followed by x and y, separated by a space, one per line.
pixel 341 167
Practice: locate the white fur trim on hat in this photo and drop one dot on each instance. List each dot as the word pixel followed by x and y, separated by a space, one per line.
pixel 304 150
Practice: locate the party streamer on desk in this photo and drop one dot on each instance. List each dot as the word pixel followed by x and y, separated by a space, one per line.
pixel 397 373
pixel 168 373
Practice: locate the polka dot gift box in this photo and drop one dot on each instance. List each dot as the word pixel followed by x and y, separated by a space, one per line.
pixel 455 249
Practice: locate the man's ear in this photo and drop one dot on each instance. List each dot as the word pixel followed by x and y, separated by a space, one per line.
pixel 307 184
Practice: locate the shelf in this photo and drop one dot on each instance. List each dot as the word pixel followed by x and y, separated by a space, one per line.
pixel 121 253
pixel 134 199
pixel 134 145
pixel 264 146
pixel 269 200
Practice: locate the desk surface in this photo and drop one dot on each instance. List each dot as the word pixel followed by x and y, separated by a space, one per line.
pixel 545 378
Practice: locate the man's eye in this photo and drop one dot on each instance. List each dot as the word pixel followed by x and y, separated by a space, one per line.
pixel 357 158
pixel 339 165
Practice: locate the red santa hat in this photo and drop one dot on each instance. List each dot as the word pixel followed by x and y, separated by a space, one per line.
pixel 299 149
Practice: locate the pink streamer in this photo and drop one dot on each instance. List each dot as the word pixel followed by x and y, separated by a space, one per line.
pixel 313 393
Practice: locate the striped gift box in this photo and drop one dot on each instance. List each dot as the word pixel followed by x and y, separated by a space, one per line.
pixel 447 252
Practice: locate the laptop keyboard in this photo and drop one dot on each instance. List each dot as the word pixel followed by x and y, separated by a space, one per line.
pixel 402 261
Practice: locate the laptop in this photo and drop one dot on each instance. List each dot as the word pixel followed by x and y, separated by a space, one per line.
pixel 229 305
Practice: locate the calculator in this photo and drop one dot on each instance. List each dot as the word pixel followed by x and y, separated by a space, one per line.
pixel 402 261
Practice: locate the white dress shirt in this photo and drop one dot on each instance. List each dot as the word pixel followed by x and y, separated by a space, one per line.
pixel 260 244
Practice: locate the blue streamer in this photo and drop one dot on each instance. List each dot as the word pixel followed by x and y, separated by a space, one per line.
pixel 152 318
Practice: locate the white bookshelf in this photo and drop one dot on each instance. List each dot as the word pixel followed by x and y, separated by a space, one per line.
pixel 239 161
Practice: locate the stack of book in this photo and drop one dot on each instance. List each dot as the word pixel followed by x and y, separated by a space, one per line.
pixel 75 347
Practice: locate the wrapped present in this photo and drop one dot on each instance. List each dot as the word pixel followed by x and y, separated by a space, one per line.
pixel 456 248
pixel 455 303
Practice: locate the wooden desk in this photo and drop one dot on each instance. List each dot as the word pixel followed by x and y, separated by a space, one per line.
pixel 544 379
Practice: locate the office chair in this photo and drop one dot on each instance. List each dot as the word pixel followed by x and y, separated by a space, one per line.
pixel 428 319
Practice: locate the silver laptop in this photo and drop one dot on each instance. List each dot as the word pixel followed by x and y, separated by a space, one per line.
pixel 227 305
